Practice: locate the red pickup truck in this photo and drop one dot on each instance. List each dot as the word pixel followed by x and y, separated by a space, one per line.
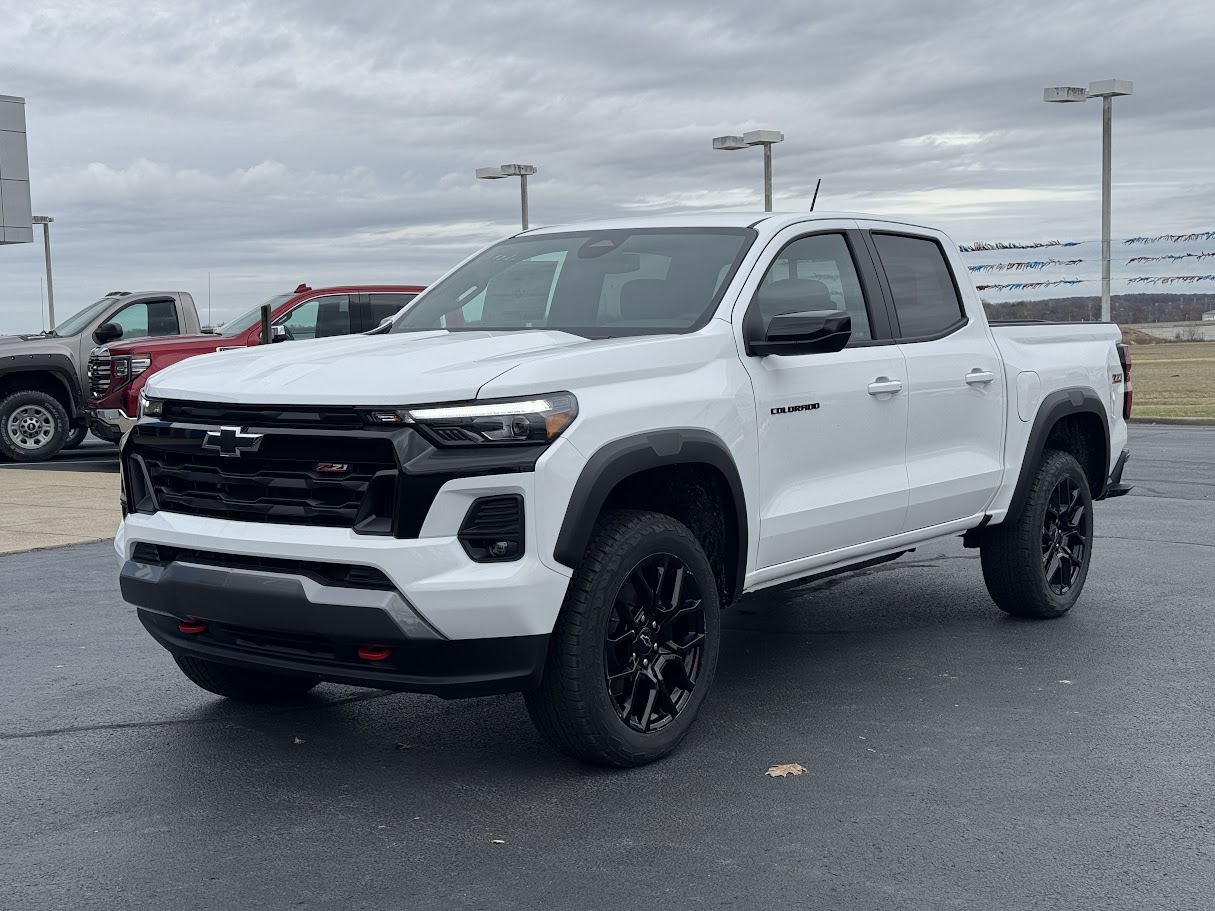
pixel 117 372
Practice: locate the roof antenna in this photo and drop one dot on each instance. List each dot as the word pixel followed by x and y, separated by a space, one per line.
pixel 815 199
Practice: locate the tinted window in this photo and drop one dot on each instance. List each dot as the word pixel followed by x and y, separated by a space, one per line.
pixel 598 285
pixel 147 319
pixel 321 317
pixel 814 273
pixel 386 305
pixel 925 297
pixel 249 318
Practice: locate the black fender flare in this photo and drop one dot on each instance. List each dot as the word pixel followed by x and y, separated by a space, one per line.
pixel 58 366
pixel 1059 404
pixel 619 459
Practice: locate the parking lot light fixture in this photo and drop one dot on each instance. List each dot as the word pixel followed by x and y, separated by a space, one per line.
pixel 1107 90
pixel 765 138
pixel 522 171
pixel 45 221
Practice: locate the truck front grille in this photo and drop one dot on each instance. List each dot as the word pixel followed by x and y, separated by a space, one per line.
pixel 318 481
pixel 98 372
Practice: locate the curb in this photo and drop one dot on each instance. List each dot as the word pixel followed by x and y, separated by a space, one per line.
pixel 1193 422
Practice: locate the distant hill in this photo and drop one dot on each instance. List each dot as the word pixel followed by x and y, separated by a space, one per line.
pixel 1153 307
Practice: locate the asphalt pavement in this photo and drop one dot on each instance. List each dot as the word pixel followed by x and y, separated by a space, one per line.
pixel 954 757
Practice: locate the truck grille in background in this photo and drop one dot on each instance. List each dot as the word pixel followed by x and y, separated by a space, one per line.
pixel 271 487
pixel 99 375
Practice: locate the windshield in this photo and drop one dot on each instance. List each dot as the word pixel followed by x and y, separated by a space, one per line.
pixel 76 324
pixel 249 318
pixel 596 284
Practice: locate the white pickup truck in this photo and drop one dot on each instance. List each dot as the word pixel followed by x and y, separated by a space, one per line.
pixel 554 468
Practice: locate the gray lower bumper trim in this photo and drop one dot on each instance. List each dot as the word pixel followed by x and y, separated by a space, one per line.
pixel 192 589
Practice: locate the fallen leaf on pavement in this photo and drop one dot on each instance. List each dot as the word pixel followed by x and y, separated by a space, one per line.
pixel 782 771
pixel 297 739
pixel 499 841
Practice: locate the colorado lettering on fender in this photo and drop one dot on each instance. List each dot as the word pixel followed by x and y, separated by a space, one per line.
pixel 790 409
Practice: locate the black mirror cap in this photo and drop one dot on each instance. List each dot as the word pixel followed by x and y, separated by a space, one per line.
pixel 809 332
pixel 106 333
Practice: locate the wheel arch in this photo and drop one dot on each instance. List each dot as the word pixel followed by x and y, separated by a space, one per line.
pixel 1071 420
pixel 49 373
pixel 671 469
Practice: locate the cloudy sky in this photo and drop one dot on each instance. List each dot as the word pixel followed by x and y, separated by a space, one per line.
pixel 277 141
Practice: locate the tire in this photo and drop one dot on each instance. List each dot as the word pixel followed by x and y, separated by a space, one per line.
pixel 1026 571
pixel 76 436
pixel 33 426
pixel 610 627
pixel 241 684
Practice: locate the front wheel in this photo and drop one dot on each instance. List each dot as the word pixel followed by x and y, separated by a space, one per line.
pixel 635 648
pixel 1035 564
pixel 33 426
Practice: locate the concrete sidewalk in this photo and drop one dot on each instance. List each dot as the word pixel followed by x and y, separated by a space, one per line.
pixel 50 509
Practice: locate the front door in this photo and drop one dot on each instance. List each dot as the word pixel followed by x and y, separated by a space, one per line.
pixel 832 427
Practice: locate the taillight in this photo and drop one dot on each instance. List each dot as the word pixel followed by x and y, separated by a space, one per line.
pixel 1128 392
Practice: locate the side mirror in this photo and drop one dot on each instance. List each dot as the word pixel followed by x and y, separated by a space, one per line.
pixel 106 333
pixel 811 332
pixel 385 321
pixel 278 334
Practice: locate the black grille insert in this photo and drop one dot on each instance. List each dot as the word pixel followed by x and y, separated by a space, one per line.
pixel 329 416
pixel 295 481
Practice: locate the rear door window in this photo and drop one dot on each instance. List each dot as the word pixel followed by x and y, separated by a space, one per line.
pixel 926 299
pixel 382 305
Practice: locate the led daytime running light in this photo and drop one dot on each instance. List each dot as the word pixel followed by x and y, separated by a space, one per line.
pixel 496 409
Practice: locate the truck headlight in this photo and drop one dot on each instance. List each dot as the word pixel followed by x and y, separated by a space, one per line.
pixel 150 408
pixel 536 419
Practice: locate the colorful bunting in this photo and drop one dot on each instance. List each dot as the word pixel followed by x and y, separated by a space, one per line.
pixel 1171 257
pixel 1037 245
pixel 1022 286
pixel 1018 267
pixel 1171 238
pixel 1170 279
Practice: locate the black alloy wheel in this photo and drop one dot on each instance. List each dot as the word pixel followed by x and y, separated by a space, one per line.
pixel 1064 536
pixel 654 644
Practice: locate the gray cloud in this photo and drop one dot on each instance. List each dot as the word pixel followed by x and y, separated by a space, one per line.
pixel 277 142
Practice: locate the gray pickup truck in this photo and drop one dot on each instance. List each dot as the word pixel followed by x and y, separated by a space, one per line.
pixel 44 378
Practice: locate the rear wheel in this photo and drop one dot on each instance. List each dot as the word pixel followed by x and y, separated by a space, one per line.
pixel 242 684
pixel 33 426
pixel 1035 564
pixel 635 648
pixel 76 436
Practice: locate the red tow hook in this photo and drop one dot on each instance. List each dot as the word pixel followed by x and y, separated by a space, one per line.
pixel 192 626
pixel 374 652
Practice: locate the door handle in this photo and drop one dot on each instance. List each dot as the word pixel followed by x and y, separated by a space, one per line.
pixel 885 386
pixel 978 377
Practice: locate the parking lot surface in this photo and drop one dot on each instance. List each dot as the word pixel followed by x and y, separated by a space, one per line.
pixel 954 757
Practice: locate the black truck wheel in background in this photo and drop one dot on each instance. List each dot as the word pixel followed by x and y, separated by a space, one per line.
pixel 635 648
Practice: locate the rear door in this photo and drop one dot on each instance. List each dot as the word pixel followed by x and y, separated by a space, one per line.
pixel 832 427
pixel 955 382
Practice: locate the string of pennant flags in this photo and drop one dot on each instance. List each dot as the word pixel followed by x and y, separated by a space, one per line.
pixel 1018 267
pixel 1034 265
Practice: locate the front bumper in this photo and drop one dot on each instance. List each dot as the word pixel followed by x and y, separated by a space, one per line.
pixel 109 423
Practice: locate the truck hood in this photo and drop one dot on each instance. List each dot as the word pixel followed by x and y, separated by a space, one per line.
pixel 396 369
pixel 195 344
pixel 11 345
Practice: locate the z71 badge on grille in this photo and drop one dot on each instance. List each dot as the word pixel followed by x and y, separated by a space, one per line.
pixel 231 441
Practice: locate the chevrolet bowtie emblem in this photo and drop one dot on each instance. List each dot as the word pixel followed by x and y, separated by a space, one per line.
pixel 231 441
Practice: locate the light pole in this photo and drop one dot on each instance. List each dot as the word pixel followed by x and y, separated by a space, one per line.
pixel 765 138
pixel 512 170
pixel 45 221
pixel 1106 90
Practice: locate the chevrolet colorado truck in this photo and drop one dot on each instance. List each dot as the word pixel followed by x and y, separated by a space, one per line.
pixel 553 470
pixel 44 380
pixel 117 372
